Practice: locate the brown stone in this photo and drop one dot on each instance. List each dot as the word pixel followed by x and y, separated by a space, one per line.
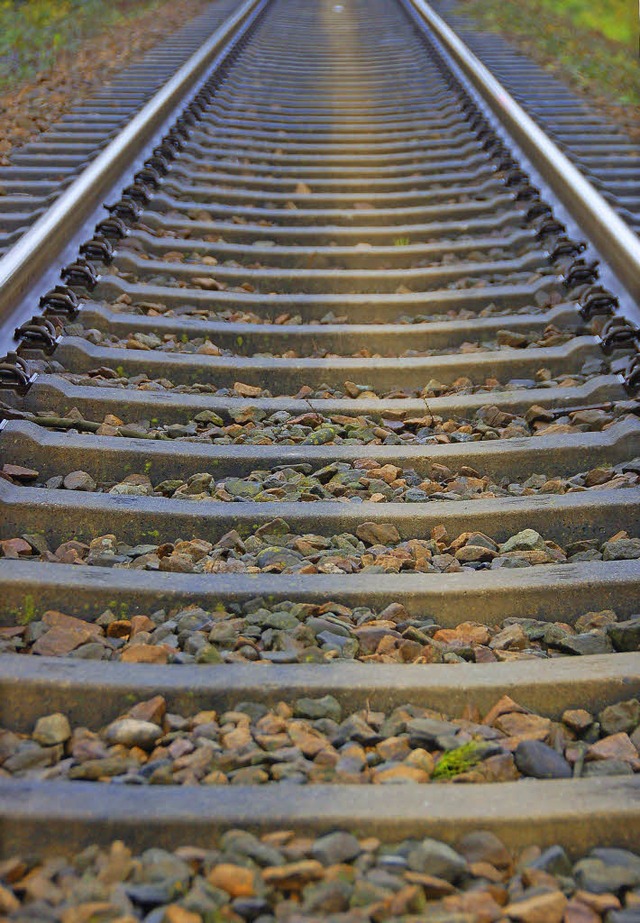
pixel 503 706
pixel 393 748
pixel 118 864
pixel 145 653
pixel 486 870
pixel 18 473
pixel 56 619
pixel 247 390
pixel 378 533
pixel 578 719
pixel 484 846
pixel 60 641
pixel 434 887
pixel 577 912
pixel 387 473
pixel 295 875
pixel 466 632
pixel 71 551
pixel 121 628
pixel 510 638
pixel 480 904
pixel 615 747
pixel 525 727
pixel 236 880
pixel 8 901
pixel 498 768
pixel 152 710
pixel 309 741
pixel 15 548
pixel 401 773
pixel 601 903
pixel 141 623
pixel 543 908
pixel 174 913
pixel 87 912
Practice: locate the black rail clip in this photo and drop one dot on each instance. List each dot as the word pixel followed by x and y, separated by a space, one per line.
pixel 516 177
pixel 527 193
pixel 632 376
pixel 619 333
pixel 112 228
pixel 167 150
pixel 148 176
pixel 597 301
pixel 581 273
pixel 538 210
pixel 82 272
pixel 125 208
pixel 38 333
pixel 139 192
pixel 506 162
pixel 550 227
pixel 565 247
pixel 98 248
pixel 177 136
pixel 14 374
pixel 60 300
pixel 158 162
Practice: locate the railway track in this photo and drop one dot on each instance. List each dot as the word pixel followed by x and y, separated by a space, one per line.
pixel 604 151
pixel 319 507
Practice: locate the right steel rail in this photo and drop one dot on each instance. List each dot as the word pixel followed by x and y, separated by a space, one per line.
pixel 615 241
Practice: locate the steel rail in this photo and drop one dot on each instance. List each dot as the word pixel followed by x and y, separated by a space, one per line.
pixel 613 239
pixel 41 244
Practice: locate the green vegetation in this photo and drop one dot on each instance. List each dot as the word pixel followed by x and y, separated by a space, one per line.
pixel 595 45
pixel 33 33
pixel 29 610
pixel 454 762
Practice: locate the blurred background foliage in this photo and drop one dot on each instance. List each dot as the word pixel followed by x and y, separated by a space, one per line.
pixel 33 33
pixel 593 42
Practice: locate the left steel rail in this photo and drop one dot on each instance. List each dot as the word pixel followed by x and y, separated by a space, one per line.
pixel 21 267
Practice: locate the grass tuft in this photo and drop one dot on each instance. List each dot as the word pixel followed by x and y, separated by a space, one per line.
pixel 454 762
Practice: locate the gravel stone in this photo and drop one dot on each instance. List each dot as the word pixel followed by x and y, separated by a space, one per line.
pixel 537 759
pixel 52 729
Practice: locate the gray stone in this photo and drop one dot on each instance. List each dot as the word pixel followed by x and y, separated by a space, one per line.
pixel 162 866
pixel 537 759
pixel 424 732
pixel 279 557
pixel 281 621
pixel 325 707
pixel 625 636
pixel 629 915
pixel 600 877
pixel 624 549
pixel 527 540
pixel 336 847
pixel 132 732
pixel 553 860
pixel 611 855
pixel 587 643
pixel 327 897
pixel 79 480
pixel 438 859
pixel 621 717
pixel 484 846
pixel 607 768
pixel 92 651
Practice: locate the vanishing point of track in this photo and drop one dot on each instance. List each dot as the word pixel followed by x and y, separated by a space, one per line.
pixel 329 432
